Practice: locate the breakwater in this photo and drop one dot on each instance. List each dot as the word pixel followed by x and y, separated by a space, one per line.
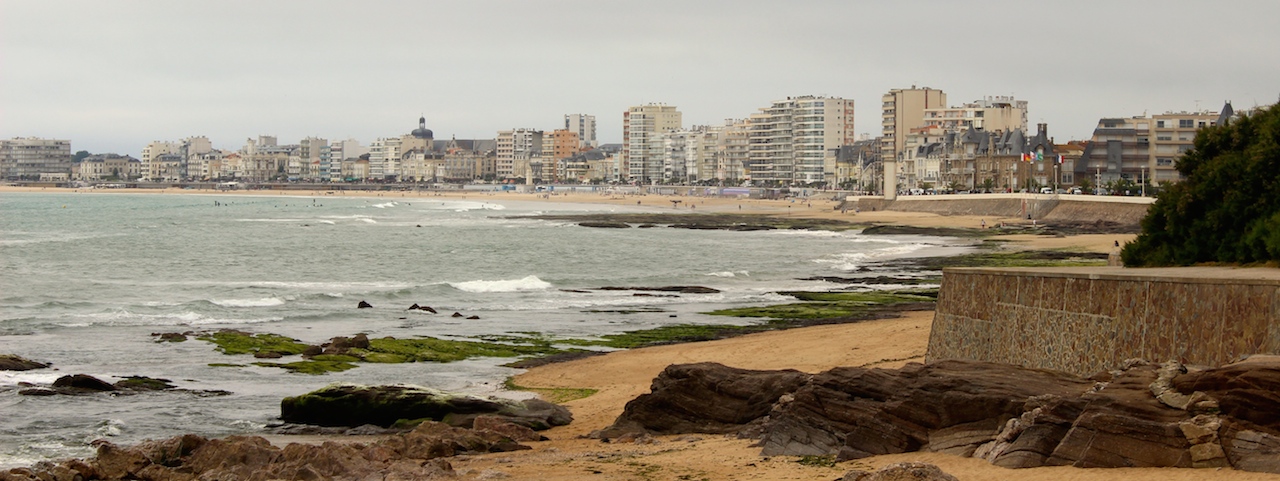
pixel 1084 320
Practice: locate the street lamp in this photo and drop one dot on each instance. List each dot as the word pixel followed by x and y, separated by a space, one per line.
pixel 1143 178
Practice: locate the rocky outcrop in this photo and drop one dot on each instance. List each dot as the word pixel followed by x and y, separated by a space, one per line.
pixel 363 305
pixel 10 362
pixel 417 454
pixel 704 398
pixel 901 472
pixel 354 405
pixel 1144 415
pixel 81 384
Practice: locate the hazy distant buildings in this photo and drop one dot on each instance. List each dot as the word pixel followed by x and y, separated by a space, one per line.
pixel 643 148
pixel 33 158
pixel 110 167
pixel 585 126
pixel 1003 113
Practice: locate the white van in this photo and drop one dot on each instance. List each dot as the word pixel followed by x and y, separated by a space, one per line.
pixel 1046 190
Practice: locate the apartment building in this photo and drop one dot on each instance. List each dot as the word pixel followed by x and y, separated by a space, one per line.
pixel 1143 148
pixel 30 158
pixel 1003 113
pixel 107 167
pixel 151 152
pixel 788 141
pixel 643 148
pixel 901 111
pixel 585 126
pixel 515 148
pixel 734 146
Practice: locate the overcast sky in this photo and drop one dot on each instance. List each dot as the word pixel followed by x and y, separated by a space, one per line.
pixel 114 75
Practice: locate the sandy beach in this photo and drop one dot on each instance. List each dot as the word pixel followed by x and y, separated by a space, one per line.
pixel 621 376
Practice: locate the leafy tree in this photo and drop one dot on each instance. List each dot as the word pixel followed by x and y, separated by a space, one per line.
pixel 79 156
pixel 1228 207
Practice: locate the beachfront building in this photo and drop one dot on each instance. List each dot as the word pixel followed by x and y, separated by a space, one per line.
pixel 515 148
pixel 734 150
pixel 789 140
pixel 643 147
pixel 900 111
pixel 1003 113
pixel 1143 148
pixel 585 126
pixel 340 152
pixel 111 167
pixel 151 152
pixel 30 158
pixel 263 160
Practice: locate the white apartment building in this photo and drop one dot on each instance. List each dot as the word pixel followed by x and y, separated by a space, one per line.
pixel 734 149
pixel 642 144
pixel 788 141
pixel 340 151
pixel 384 157
pixel 585 126
pixel 150 153
pixel 29 157
pixel 516 147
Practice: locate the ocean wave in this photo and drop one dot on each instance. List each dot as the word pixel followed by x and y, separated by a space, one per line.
pixel 121 317
pixel 264 302
pixel 322 221
pixel 850 261
pixel 729 274
pixel 385 205
pixel 807 233
pixel 14 378
pixel 530 283
pixel 367 220
pixel 269 220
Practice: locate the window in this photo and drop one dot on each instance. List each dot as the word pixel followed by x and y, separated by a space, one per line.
pixel 1186 123
pixel 1159 124
pixel 1164 162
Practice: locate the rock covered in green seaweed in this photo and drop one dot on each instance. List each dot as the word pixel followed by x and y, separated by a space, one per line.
pixel 355 405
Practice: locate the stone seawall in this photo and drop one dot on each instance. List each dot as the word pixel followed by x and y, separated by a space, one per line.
pixel 1067 208
pixel 1084 320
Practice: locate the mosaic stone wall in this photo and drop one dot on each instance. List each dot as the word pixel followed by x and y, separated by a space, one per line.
pixel 1086 320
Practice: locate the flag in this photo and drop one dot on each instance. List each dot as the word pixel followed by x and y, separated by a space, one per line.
pixel 1059 158
pixel 1039 155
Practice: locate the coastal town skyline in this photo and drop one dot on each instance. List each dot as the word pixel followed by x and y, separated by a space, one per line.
pixel 114 77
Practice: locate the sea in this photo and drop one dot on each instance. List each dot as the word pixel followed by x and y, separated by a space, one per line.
pixel 87 279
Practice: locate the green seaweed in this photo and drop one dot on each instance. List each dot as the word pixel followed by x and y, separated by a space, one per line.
pixel 555 395
pixel 237 342
pixel 430 349
pixel 827 305
pixel 311 367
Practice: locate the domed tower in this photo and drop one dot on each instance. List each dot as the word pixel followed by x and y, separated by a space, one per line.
pixel 422 132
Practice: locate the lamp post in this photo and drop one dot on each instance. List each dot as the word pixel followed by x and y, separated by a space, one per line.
pixel 1143 178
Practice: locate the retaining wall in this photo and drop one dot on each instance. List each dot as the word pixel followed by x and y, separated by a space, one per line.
pixel 1122 210
pixel 1088 319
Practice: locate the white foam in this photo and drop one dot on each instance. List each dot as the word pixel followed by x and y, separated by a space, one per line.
pixel 729 274
pixel 121 317
pixel 530 283
pixel 328 222
pixel 264 302
pixel 807 233
pixel 385 205
pixel 367 220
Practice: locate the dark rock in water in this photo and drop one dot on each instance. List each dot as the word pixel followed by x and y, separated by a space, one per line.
pixel 83 382
pixel 606 225
pixel 360 341
pixel 413 307
pixel 351 405
pixel 704 398
pixel 143 383
pixel 473 318
pixel 575 291
pixel 428 309
pixel 10 362
pixel 312 351
pixel 267 355
pixel 38 391
pixel 645 294
pixel 363 305
pixel 169 336
pixel 456 314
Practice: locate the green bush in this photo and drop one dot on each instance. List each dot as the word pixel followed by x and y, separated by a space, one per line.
pixel 1227 210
